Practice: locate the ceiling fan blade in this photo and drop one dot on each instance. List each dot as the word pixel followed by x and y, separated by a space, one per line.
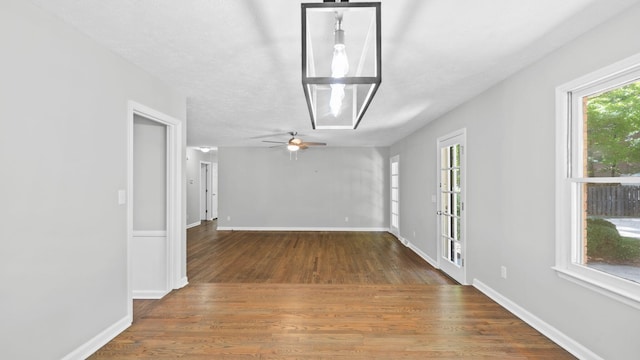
pixel 275 142
pixel 270 135
pixel 313 143
pixel 276 146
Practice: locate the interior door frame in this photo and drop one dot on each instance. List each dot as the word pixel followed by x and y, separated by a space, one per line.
pixel 209 186
pixel 460 135
pixel 176 257
pixel 214 190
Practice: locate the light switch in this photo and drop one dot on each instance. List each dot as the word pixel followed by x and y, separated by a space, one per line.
pixel 122 197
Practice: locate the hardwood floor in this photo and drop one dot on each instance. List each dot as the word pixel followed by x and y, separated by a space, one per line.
pixel 281 295
pixel 303 258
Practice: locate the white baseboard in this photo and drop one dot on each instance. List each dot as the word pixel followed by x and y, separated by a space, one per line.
pixel 149 233
pixel 420 253
pixel 251 228
pixel 572 346
pixel 100 340
pixel 193 225
pixel 149 294
pixel 182 283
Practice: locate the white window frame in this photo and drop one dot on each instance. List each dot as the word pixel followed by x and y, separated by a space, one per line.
pixel 569 126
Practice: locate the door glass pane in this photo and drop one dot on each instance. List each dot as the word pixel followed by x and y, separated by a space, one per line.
pixel 395 196
pixel 451 204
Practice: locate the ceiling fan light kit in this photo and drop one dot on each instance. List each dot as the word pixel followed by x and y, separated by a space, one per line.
pixel 341 61
pixel 295 143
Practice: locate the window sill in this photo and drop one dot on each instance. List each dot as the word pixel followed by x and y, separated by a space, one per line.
pixel 618 289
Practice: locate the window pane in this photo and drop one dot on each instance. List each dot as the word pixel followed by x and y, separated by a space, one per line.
pixel 611 229
pixel 394 181
pixel 611 134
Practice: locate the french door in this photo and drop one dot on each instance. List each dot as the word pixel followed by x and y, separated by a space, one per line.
pixel 451 201
pixel 395 196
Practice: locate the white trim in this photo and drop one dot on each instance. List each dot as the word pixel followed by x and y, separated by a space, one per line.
pixel 455 137
pixel 416 250
pixel 567 228
pixel 276 228
pixel 88 348
pixel 600 282
pixel 150 294
pixel 209 186
pixel 193 224
pixel 149 233
pixel 423 255
pixel 614 71
pixel 557 336
pixel 182 283
pixel 175 227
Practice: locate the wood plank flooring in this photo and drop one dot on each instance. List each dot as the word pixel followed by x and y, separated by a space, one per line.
pixel 304 258
pixel 320 296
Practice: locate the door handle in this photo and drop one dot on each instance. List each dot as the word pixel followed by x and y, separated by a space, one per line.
pixel 438 212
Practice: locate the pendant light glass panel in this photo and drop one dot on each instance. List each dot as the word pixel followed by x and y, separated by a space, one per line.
pixel 340 61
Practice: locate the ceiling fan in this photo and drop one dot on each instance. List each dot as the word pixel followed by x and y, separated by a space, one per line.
pixel 295 143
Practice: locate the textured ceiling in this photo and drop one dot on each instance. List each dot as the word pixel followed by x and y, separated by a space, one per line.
pixel 238 61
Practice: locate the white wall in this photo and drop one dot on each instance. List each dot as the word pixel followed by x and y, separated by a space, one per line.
pixel 194 157
pixel 63 152
pixel 261 187
pixel 510 198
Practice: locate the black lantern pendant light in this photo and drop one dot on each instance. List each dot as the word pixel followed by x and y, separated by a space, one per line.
pixel 341 61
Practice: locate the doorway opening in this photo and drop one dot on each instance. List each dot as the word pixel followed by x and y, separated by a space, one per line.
pixel 163 246
pixel 205 191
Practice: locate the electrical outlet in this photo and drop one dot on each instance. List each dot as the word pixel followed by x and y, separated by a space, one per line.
pixel 503 272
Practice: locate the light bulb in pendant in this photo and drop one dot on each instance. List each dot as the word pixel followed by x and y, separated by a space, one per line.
pixel 337 95
pixel 339 68
pixel 340 62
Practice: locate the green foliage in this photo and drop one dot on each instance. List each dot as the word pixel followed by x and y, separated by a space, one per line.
pixel 613 123
pixel 629 249
pixel 602 239
pixel 605 243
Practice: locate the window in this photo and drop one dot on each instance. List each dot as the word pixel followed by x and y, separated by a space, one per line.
pixel 598 184
pixel 395 196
